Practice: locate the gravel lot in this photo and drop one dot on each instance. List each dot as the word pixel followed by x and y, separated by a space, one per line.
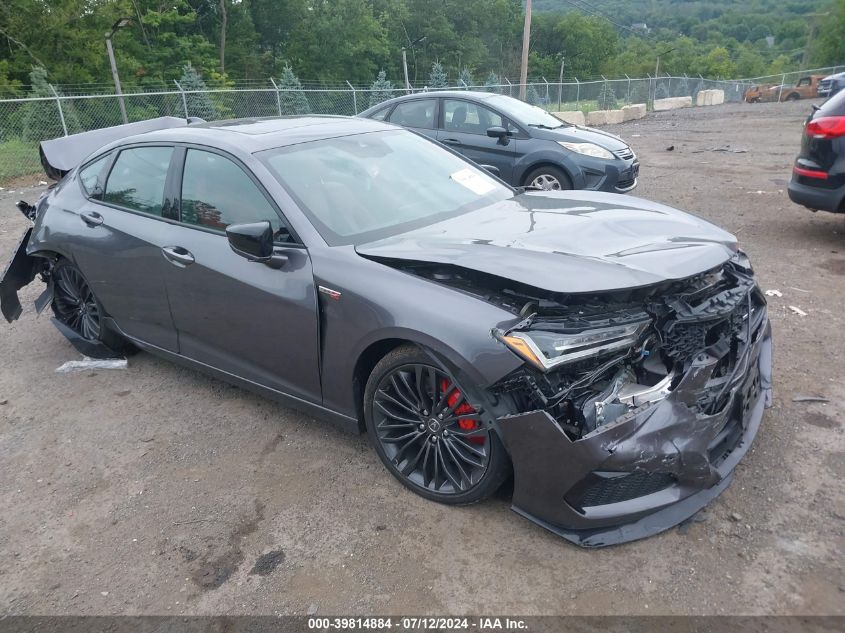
pixel 156 490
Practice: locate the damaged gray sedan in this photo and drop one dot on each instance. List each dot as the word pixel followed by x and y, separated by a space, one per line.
pixel 612 354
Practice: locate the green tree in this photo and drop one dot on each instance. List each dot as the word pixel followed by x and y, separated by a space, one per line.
pixel 293 98
pixel 492 84
pixel 607 98
pixel 41 120
pixel 381 90
pixel 532 96
pixel 438 78
pixel 717 64
pixel 199 103
pixel 466 77
pixel 362 46
pixel 830 45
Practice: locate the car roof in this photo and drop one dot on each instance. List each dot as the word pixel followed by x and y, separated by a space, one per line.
pixel 462 94
pixel 259 134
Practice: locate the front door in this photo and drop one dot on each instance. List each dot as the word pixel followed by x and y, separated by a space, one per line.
pixel 246 318
pixel 465 125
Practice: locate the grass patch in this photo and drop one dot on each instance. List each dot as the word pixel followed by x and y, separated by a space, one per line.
pixel 18 158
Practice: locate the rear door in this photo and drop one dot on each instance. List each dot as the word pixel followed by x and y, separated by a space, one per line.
pixel 124 222
pixel 464 129
pixel 419 115
pixel 246 318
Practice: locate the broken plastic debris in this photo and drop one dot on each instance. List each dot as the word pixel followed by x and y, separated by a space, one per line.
pixel 42 182
pixel 774 293
pixel 87 364
pixel 798 311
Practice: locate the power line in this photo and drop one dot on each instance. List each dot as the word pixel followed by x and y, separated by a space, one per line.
pixel 598 13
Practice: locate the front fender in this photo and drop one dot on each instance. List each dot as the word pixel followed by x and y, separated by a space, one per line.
pixel 379 303
pixel 561 159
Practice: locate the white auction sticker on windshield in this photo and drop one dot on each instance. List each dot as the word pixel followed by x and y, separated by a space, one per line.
pixel 473 181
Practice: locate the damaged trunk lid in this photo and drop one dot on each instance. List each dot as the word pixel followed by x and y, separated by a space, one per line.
pixel 567 242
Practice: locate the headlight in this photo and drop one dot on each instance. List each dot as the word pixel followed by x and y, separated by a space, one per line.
pixel 588 149
pixel 546 350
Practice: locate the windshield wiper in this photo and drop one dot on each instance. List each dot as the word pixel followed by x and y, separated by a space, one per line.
pixel 543 126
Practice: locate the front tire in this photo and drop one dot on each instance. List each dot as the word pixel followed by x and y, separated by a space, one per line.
pixel 426 433
pixel 548 178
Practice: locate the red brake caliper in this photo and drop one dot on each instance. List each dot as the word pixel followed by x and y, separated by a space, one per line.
pixel 463 409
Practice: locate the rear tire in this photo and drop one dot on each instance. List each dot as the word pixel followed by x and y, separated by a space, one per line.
pixel 427 435
pixel 793 97
pixel 548 178
pixel 76 306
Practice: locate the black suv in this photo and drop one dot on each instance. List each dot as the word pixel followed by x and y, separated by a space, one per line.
pixel 522 144
pixel 818 177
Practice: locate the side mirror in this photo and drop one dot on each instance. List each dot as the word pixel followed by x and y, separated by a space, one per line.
pixel 252 241
pixel 497 132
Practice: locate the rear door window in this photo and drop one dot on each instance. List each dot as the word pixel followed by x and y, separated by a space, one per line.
pixel 137 179
pixel 416 113
pixel 92 177
pixel 380 115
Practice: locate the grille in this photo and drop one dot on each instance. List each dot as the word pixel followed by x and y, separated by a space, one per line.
pixel 624 154
pixel 700 326
pixel 625 488
pixel 728 438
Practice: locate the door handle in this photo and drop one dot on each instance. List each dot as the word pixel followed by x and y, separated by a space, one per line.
pixel 177 255
pixel 452 141
pixel 92 219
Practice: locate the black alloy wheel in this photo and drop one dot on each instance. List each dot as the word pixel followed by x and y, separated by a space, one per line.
pixel 74 303
pixel 427 433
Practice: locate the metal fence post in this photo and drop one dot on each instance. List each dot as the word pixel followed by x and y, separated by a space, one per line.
pixel 577 94
pixel 354 97
pixel 510 87
pixel 59 106
pixel 278 98
pixel 782 81
pixel 184 100
pixel 628 92
pixel 547 90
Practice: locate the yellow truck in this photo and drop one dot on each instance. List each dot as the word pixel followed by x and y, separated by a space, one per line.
pixel 806 88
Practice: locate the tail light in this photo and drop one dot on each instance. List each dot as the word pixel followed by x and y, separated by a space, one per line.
pixel 826 127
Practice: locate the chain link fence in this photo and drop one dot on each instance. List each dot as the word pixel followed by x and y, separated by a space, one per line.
pixel 25 122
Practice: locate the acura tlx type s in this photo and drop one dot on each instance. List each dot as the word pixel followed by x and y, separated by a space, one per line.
pixel 613 354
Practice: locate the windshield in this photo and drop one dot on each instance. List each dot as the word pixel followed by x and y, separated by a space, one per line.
pixel 359 188
pixel 524 113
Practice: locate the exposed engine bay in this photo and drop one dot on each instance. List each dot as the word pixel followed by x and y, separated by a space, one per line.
pixel 617 352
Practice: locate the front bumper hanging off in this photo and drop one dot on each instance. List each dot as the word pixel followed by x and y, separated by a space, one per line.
pixel 648 470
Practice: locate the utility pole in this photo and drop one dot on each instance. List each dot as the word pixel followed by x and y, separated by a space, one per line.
pixel 412 46
pixel 560 83
pixel 526 38
pixel 657 71
pixel 814 27
pixel 405 68
pixel 117 25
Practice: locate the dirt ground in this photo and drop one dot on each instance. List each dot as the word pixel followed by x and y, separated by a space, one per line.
pixel 156 490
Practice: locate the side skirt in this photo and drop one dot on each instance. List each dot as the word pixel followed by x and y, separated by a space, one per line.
pixel 340 420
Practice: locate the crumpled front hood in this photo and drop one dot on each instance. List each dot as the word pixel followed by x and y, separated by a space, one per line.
pixel 568 242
